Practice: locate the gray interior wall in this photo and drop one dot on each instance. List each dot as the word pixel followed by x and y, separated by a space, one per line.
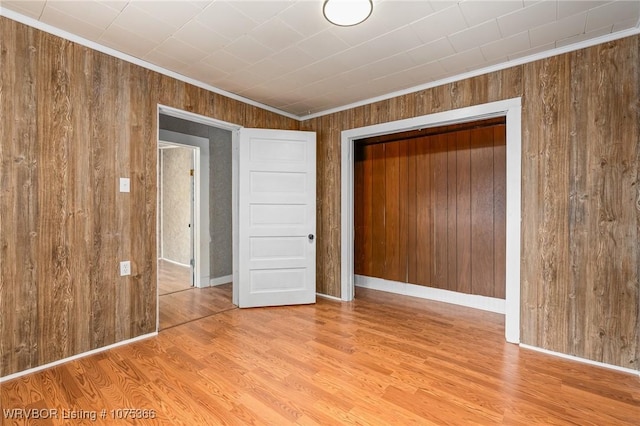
pixel 176 204
pixel 221 211
pixel 220 178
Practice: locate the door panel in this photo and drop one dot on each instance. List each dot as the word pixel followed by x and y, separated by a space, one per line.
pixel 277 217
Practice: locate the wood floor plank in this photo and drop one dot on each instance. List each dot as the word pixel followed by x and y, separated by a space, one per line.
pixel 383 359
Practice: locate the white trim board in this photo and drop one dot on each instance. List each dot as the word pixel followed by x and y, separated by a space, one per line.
pixel 221 280
pixel 75 357
pixel 484 303
pixel 512 110
pixel 582 360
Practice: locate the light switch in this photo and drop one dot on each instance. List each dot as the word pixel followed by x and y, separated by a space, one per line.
pixel 125 185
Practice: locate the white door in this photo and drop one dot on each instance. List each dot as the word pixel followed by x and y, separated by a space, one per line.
pixel 277 218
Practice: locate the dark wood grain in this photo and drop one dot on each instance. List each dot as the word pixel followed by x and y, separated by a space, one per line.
pixel 463 211
pixel 424 212
pixel 443 223
pixel 499 211
pixel 395 242
pixel 378 189
pixel 412 213
pixel 439 193
pixel 482 212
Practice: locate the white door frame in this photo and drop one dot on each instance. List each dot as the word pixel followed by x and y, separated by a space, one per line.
pixel 512 110
pixel 234 129
pixel 195 251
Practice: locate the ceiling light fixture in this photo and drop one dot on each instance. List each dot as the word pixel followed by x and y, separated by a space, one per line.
pixel 346 13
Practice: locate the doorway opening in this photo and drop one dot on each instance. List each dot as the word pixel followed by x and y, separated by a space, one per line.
pixel 511 111
pixel 178 174
pixel 205 285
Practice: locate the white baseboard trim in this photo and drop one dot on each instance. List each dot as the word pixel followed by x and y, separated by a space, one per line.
pixel 582 360
pixel 75 357
pixel 484 303
pixel 221 280
pixel 326 296
pixel 186 265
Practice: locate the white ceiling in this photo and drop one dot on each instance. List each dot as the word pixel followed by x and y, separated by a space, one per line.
pixel 285 55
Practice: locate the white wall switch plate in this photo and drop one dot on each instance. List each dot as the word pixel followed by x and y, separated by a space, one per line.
pixel 125 268
pixel 125 185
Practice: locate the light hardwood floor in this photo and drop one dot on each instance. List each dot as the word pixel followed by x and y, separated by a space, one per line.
pixel 181 303
pixel 172 277
pixel 382 359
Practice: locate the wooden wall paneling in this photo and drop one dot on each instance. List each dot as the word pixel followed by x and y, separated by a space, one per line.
pixel 531 213
pixel 403 207
pixel 124 204
pixel 359 207
pixel 612 268
pixel 424 213
pixel 553 231
pixel 578 205
pixel 412 215
pixel 439 194
pixel 364 208
pixel 463 211
pixel 143 152
pixel 55 252
pixel 81 208
pixel 482 258
pixel 19 203
pixel 452 212
pixel 103 182
pixel 394 262
pixel 499 210
pixel 378 235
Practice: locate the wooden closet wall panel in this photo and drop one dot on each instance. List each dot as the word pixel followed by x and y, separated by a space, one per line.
pixel 499 210
pixel 378 192
pixel 452 211
pixel 394 262
pixel 482 245
pixel 411 212
pixel 439 193
pixel 463 211
pixel 442 211
pixel 363 204
pixel 423 212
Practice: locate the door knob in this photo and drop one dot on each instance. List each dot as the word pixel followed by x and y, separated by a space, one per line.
pixel 311 237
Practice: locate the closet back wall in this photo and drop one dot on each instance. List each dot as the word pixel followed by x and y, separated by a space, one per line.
pixel 430 210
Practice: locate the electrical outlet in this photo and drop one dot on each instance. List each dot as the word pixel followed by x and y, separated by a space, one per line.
pixel 125 185
pixel 125 268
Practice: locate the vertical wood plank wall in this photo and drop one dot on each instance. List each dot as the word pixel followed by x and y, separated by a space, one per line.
pixel 72 122
pixel 580 192
pixel 457 198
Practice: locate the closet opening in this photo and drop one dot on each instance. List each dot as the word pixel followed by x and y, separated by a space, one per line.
pixel 429 212
pixel 410 244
